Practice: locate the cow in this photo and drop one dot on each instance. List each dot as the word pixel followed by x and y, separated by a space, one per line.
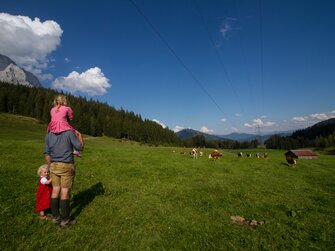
pixel 240 154
pixel 249 155
pixel 265 155
pixel 257 155
pixel 291 162
pixel 215 155
pixel 194 153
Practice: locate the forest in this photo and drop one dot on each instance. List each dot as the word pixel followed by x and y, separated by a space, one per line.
pixel 100 119
pixel 90 117
pixel 320 135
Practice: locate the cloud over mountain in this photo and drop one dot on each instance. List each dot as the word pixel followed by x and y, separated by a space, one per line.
pixel 29 41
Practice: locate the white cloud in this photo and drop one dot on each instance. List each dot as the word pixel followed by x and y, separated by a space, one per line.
pixel 226 26
pixel 319 116
pixel 67 60
pixel 204 129
pixel 259 122
pixel 299 119
pixel 315 117
pixel 91 81
pixel 237 115
pixel 234 129
pixel 29 41
pixel 223 119
pixel 160 123
pixel 177 128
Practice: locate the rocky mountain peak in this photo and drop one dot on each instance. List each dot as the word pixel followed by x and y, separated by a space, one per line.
pixel 13 74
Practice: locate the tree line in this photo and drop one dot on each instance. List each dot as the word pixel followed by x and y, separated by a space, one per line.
pixel 97 119
pixel 200 141
pixel 90 117
pixel 320 135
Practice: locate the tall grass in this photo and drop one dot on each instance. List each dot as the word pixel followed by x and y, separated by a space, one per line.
pixel 128 196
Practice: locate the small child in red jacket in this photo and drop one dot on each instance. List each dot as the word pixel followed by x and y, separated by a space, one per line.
pixel 44 191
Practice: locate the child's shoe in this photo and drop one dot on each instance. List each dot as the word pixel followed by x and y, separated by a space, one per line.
pixel 76 153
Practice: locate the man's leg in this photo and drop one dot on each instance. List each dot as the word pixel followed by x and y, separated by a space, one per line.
pixel 54 204
pixel 65 203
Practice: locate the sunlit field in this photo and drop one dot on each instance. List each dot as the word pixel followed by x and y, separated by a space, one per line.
pixel 129 196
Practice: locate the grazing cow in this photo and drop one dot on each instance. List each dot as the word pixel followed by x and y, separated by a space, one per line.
pixel 291 162
pixel 257 155
pixel 265 155
pixel 240 154
pixel 215 155
pixel 249 155
pixel 194 153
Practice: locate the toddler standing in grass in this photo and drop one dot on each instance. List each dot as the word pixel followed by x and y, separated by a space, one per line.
pixel 44 190
pixel 60 114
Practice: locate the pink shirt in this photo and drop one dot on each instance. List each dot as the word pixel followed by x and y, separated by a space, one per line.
pixel 59 119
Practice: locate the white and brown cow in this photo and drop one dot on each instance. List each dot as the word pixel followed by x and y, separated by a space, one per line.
pixel 194 153
pixel 215 155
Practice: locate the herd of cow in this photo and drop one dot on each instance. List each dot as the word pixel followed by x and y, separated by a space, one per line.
pixel 194 153
pixel 216 154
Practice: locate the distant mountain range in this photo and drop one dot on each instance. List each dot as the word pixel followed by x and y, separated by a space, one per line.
pixel 13 74
pixel 189 133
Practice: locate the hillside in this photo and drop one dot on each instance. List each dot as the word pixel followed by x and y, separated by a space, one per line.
pixel 323 128
pixel 90 117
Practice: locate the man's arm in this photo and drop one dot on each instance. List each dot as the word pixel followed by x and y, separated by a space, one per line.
pixel 77 142
pixel 47 156
pixel 80 137
pixel 47 159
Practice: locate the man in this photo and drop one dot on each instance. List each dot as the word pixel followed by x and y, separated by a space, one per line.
pixel 59 157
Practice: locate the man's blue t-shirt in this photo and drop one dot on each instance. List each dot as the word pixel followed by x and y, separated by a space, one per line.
pixel 60 146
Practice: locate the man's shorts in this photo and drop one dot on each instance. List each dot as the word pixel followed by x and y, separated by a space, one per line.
pixel 62 174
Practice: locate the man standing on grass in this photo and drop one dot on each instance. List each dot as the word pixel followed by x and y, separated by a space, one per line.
pixel 59 157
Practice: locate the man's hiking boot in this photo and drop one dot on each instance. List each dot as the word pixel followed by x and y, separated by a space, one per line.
pixel 56 220
pixel 67 223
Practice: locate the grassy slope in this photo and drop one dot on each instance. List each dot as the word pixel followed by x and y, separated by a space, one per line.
pixel 132 197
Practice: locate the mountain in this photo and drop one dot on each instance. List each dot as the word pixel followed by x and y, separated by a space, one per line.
pixel 240 136
pixel 250 137
pixel 13 74
pixel 189 133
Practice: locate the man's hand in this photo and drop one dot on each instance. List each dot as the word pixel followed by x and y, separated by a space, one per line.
pixel 47 159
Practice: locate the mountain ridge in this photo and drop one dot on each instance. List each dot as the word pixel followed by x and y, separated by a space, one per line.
pixel 11 73
pixel 189 133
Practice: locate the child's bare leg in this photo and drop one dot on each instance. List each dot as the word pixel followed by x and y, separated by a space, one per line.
pixel 42 215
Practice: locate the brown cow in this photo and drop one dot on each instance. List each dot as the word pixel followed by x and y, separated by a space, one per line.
pixel 215 155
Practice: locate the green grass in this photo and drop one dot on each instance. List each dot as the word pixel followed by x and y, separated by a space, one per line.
pixel 129 196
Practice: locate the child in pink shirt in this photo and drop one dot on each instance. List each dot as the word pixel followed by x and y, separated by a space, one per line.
pixel 60 115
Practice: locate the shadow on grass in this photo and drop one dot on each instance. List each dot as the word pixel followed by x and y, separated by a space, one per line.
pixel 84 198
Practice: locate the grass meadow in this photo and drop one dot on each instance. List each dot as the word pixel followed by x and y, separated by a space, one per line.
pixel 129 196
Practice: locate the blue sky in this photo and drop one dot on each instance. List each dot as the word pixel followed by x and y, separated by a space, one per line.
pixel 213 66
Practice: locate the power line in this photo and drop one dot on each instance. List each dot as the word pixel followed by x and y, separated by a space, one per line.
pixel 179 59
pixel 217 53
pixel 261 52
